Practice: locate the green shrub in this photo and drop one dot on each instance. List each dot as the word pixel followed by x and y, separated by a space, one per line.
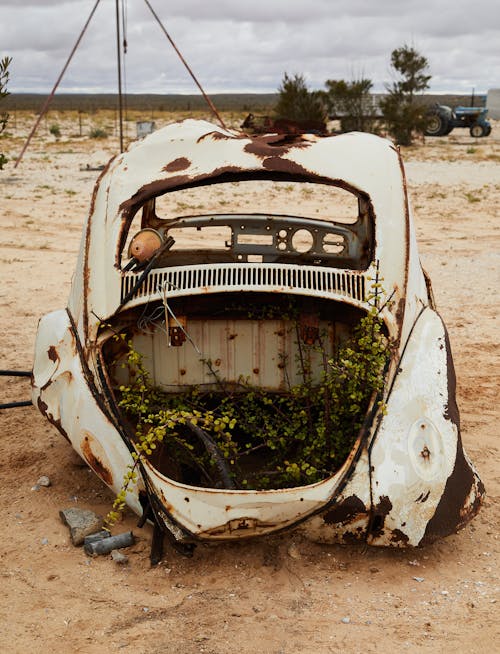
pixel 55 130
pixel 98 133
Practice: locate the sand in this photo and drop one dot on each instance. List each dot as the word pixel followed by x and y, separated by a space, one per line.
pixel 282 594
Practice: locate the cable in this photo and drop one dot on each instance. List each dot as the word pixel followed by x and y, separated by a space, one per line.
pixel 15 373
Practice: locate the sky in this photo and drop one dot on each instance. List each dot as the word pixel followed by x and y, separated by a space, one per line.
pixel 245 46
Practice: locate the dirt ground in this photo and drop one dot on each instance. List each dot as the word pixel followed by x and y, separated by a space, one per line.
pixel 279 595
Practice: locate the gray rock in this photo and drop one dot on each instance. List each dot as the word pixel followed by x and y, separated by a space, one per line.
pixel 81 523
pixel 346 620
pixel 44 481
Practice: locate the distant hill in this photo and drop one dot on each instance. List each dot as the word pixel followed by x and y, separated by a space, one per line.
pixel 254 102
pixel 251 102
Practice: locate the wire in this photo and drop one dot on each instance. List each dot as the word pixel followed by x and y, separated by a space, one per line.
pixel 169 311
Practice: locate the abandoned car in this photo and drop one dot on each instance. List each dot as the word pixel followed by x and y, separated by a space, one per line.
pixel 251 345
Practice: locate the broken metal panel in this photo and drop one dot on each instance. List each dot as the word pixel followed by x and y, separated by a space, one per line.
pixel 61 392
pixel 256 352
pixel 348 515
pixel 414 452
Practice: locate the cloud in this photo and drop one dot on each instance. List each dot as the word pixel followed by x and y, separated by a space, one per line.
pixel 247 46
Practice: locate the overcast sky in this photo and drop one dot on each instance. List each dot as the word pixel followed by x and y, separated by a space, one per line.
pixel 247 45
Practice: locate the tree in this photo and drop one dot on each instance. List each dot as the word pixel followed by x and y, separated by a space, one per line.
pixel 4 117
pixel 352 102
pixel 403 112
pixel 297 103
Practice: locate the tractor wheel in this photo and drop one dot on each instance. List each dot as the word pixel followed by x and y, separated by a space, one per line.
pixel 477 131
pixel 488 130
pixel 436 125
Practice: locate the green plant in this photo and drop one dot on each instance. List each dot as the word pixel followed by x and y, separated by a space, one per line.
pixel 4 117
pixel 244 436
pixel 471 197
pixel 297 103
pixel 98 133
pixel 353 102
pixel 55 130
pixel 403 112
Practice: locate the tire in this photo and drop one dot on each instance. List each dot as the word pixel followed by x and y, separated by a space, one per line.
pixel 477 130
pixel 436 125
pixel 488 130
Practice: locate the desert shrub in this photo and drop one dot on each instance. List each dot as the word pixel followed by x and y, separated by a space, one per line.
pixel 98 133
pixel 297 103
pixel 404 112
pixel 353 102
pixel 4 117
pixel 55 130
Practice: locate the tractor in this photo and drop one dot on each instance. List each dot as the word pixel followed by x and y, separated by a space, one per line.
pixel 442 120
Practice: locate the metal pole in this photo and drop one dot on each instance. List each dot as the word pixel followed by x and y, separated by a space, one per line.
pixel 207 99
pixel 118 57
pixel 51 96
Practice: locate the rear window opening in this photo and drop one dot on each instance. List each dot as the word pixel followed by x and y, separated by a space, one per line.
pixel 257 221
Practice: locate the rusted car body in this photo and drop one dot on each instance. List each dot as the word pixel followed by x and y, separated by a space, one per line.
pixel 407 479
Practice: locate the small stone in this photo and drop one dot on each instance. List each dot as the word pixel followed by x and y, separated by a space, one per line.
pixel 44 481
pixel 44 541
pixel 119 558
pixel 374 570
pixel 346 620
pixel 414 562
pixel 293 552
pixel 419 579
pixel 81 523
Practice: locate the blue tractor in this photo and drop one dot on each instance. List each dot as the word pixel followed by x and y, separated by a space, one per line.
pixel 442 120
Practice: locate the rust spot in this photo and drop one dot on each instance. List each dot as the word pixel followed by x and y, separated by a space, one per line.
pixel 425 453
pixel 217 362
pixel 52 354
pixel 177 164
pixel 380 511
pixel 44 410
pixel 346 511
pixel 182 371
pixel 452 512
pixel 94 462
pixel 256 371
pixel 398 536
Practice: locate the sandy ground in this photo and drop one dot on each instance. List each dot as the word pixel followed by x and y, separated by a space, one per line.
pixel 280 595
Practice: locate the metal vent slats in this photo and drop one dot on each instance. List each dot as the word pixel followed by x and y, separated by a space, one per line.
pixel 220 278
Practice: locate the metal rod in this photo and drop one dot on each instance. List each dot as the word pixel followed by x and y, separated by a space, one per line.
pixel 207 99
pixel 51 96
pixel 15 373
pixel 119 64
pixel 14 405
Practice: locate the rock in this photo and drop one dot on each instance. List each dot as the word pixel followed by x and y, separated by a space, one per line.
pixel 293 552
pixel 44 481
pixel 419 579
pixel 81 523
pixel 346 620
pixel 119 558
